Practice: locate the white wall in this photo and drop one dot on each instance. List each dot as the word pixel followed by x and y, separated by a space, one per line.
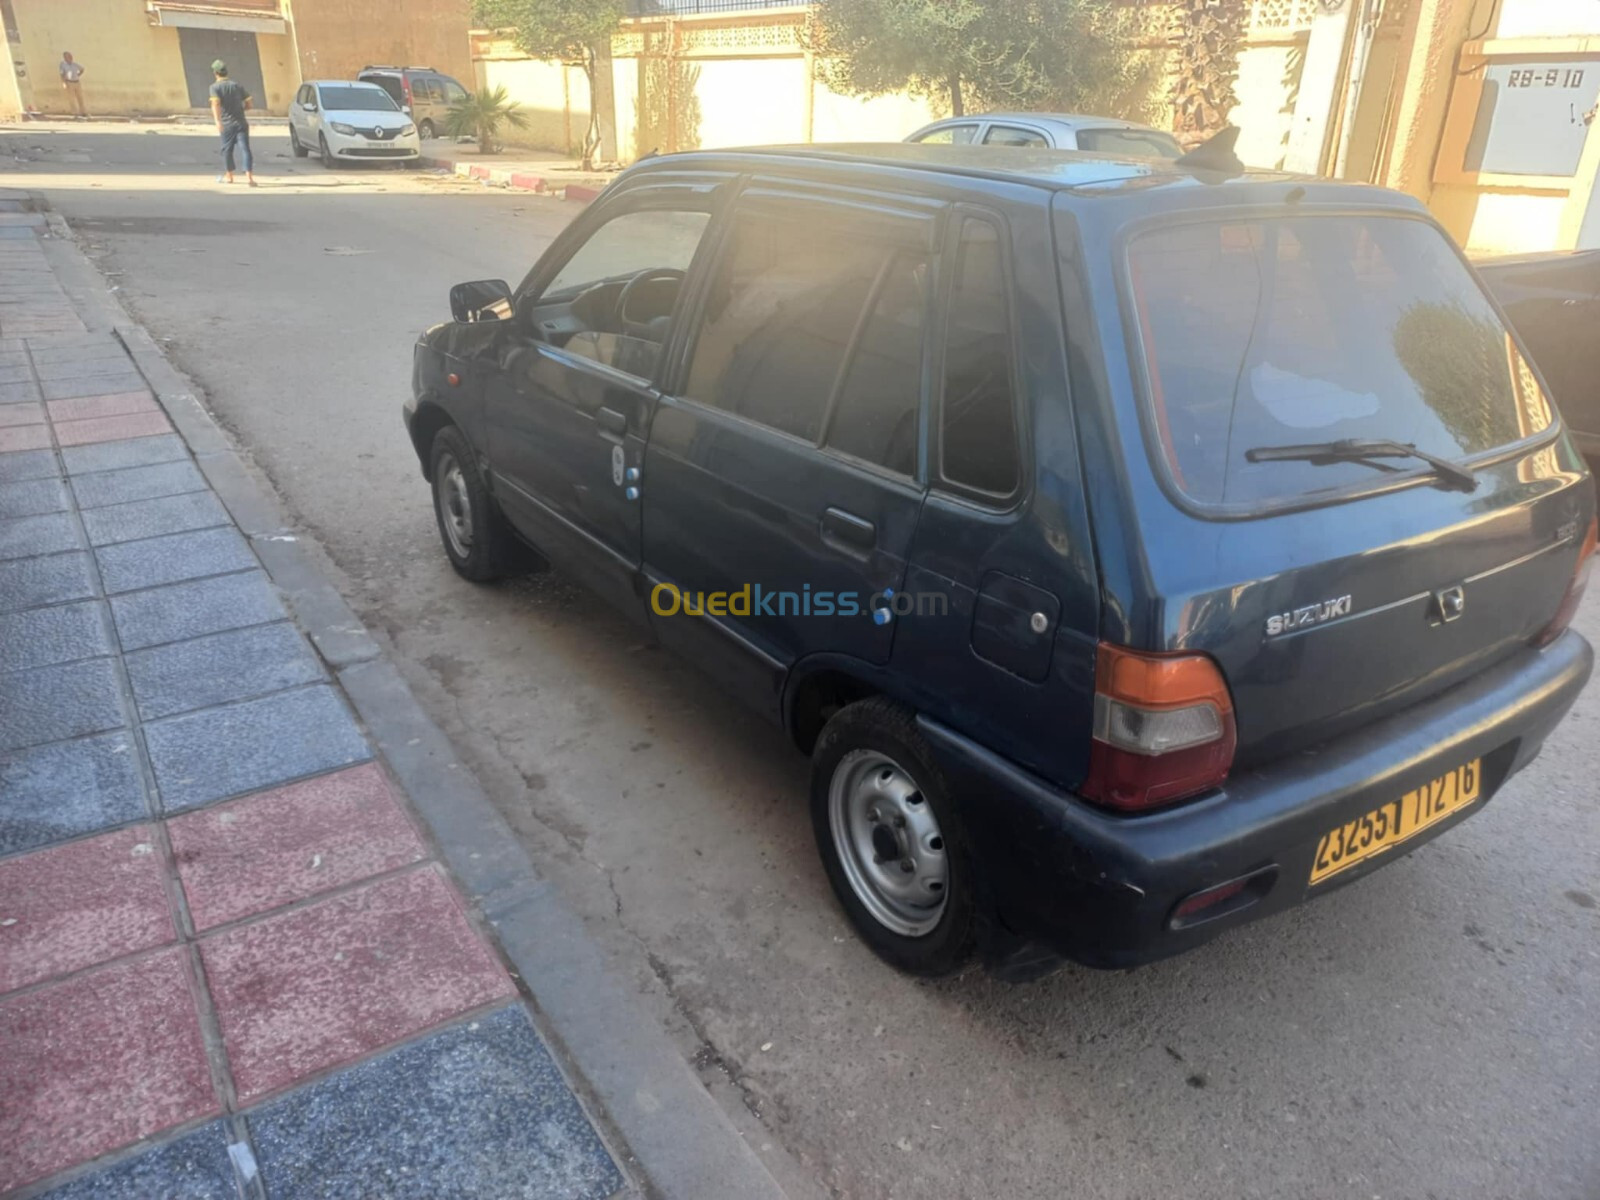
pixel 1548 18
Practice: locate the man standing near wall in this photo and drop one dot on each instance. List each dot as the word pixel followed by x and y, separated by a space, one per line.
pixel 228 103
pixel 71 81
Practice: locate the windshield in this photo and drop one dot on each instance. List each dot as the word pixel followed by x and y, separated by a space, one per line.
pixel 1140 143
pixel 357 99
pixel 1268 332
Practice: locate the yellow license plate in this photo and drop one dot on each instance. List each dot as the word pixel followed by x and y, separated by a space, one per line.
pixel 1386 827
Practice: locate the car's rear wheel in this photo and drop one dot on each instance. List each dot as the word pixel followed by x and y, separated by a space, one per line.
pixel 424 129
pixel 294 144
pixel 891 840
pixel 476 540
pixel 327 154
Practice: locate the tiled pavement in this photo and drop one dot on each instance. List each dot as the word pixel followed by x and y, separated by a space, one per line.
pixel 223 944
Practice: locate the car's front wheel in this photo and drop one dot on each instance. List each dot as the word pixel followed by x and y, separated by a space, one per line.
pixel 475 537
pixel 327 154
pixel 891 840
pixel 425 130
pixel 294 144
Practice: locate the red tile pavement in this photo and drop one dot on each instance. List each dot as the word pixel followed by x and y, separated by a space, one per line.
pixel 312 988
pixel 96 1062
pixel 25 437
pixel 111 429
pixel 21 414
pixel 113 405
pixel 254 854
pixel 83 903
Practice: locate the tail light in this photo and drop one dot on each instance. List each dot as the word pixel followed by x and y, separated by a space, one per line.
pixel 1575 589
pixel 1163 729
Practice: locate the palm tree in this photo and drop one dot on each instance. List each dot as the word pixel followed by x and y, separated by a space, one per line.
pixel 1208 44
pixel 480 116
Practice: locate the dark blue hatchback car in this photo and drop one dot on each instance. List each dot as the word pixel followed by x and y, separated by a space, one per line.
pixel 1136 548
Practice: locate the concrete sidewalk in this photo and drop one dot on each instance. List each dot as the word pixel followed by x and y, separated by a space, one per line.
pixel 258 935
pixel 560 178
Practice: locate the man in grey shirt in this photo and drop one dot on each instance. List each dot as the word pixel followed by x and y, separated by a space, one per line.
pixel 71 81
pixel 229 101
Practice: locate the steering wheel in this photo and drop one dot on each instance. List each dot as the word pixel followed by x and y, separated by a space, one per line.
pixel 643 329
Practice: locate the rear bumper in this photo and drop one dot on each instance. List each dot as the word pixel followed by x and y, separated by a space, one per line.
pixel 1074 881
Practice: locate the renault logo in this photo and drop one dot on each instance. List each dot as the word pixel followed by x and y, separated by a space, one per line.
pixel 1449 604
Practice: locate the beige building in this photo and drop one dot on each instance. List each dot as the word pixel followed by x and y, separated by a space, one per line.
pixel 153 57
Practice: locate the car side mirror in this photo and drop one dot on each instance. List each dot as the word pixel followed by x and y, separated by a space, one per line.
pixel 482 300
pixel 310 106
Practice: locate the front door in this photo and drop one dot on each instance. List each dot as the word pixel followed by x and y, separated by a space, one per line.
pixel 569 401
pixel 783 479
pixel 200 48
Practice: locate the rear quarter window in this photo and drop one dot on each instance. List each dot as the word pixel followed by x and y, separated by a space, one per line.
pixel 1273 332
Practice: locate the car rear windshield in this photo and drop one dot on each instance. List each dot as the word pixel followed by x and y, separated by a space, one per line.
pixel 1140 143
pixel 1286 332
pixel 357 99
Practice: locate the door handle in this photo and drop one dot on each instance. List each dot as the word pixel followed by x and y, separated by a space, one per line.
pixel 611 421
pixel 850 529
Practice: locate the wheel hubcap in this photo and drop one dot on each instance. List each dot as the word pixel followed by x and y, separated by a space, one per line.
pixel 889 842
pixel 455 505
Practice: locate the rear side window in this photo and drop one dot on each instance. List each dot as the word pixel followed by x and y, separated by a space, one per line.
pixel 1304 330
pixel 978 428
pixel 810 331
pixel 949 135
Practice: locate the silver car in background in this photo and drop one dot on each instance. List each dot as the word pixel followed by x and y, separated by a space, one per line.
pixel 1058 131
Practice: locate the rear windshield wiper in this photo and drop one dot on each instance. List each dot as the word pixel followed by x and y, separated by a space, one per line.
pixel 1355 449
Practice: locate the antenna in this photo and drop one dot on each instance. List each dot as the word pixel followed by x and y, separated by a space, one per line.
pixel 1214 154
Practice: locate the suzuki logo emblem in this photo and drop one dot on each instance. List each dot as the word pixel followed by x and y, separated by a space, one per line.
pixel 1449 604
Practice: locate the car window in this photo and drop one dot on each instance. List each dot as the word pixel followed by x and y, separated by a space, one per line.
pixel 388 83
pixel 1013 135
pixel 1141 143
pixel 949 135
pixel 454 93
pixel 435 89
pixel 875 415
pixel 356 99
pixel 780 314
pixel 1273 332
pixel 630 246
pixel 978 428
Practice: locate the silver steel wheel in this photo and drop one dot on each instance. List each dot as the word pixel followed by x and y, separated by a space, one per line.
pixel 889 843
pixel 455 504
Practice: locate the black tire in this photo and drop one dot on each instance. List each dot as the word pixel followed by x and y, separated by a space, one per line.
pixel 328 161
pixel 856 737
pixel 425 130
pixel 489 550
pixel 294 144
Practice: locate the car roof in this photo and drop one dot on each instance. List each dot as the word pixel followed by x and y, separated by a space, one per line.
pixel 1080 173
pixel 355 83
pixel 1066 120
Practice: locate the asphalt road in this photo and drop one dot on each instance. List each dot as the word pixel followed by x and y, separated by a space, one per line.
pixel 1433 1031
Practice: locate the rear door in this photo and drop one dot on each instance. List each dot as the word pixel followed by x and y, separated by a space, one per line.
pixel 782 479
pixel 1334 592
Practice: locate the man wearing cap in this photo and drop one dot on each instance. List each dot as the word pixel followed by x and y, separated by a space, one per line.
pixel 228 103
pixel 72 81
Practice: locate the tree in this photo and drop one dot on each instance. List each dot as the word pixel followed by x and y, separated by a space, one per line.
pixel 481 114
pixel 1208 46
pixel 1035 54
pixel 567 30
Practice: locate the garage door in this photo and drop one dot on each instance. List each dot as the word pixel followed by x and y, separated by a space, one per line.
pixel 202 47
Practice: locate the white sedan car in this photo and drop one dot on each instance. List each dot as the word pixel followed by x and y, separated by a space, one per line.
pixel 350 122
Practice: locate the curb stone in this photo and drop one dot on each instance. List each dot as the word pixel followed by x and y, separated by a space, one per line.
pixel 512 180
pixel 678 1138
